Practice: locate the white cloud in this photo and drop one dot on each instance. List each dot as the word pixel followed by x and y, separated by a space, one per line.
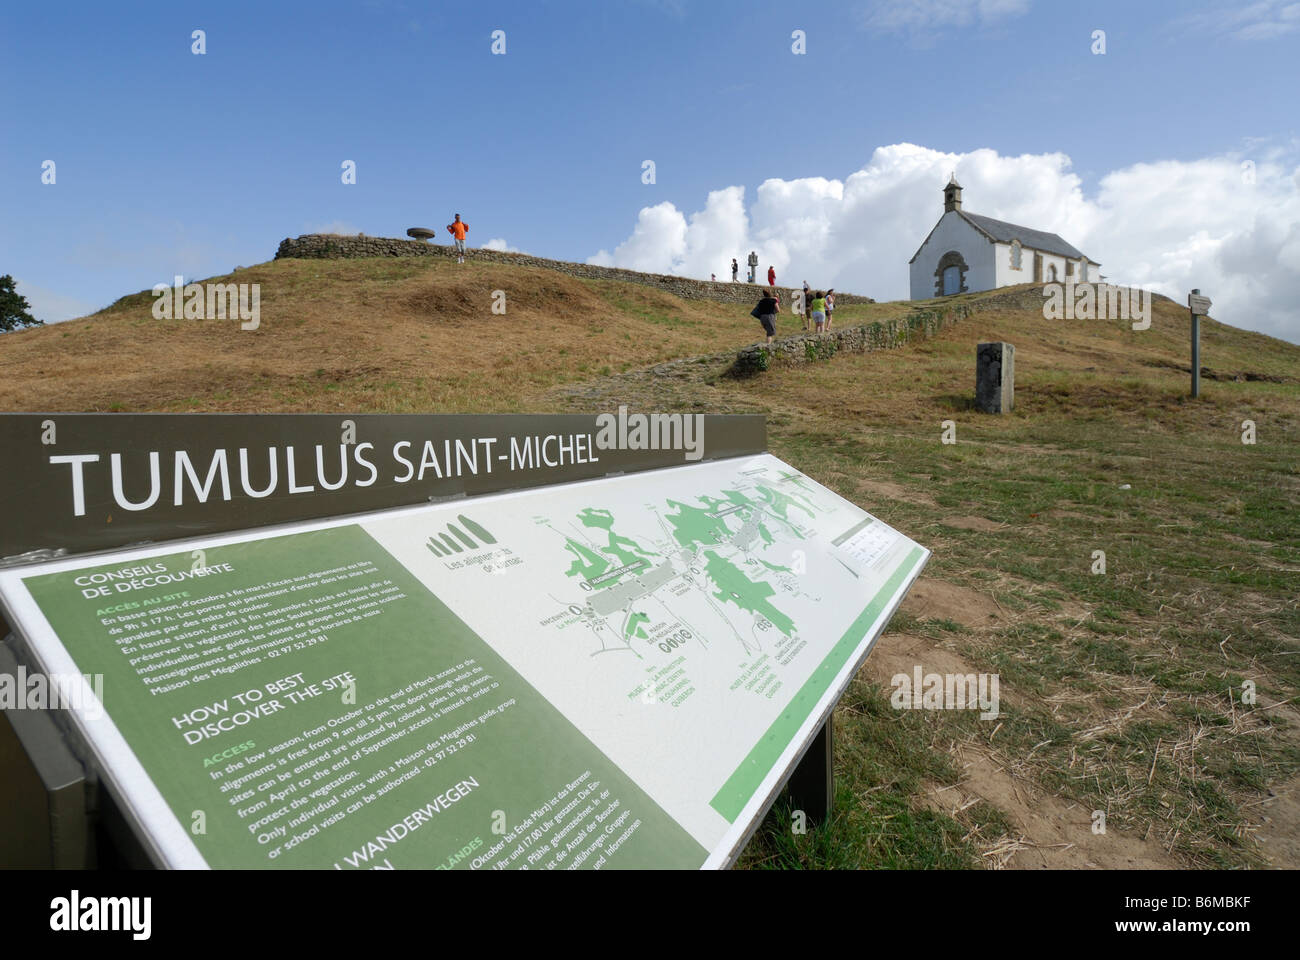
pixel 664 242
pixel 52 307
pixel 499 243
pixel 657 244
pixel 892 16
pixel 1169 225
pixel 1255 21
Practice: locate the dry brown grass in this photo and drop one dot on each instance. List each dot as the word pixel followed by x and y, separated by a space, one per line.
pixel 1116 687
pixel 405 335
pixel 381 335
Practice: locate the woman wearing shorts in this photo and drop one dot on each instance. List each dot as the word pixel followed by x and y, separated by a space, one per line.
pixel 818 307
pixel 766 312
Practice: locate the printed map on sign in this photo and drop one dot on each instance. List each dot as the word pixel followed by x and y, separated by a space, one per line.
pixel 675 622
pixel 722 565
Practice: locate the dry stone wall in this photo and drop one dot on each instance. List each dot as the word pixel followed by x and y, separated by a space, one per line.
pixel 328 246
pixel 863 338
pixel 883 335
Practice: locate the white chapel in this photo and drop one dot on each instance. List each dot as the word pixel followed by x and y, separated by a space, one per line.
pixel 966 252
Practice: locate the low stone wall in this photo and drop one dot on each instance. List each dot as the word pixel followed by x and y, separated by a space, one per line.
pixel 332 247
pixel 863 338
pixel 917 325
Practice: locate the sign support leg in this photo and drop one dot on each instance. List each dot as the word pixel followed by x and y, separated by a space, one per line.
pixel 812 785
pixel 1196 355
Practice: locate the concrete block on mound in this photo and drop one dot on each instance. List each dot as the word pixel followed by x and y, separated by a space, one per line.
pixel 995 377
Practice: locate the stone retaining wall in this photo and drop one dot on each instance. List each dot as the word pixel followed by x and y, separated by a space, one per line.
pixel 328 246
pixel 882 335
pixel 863 338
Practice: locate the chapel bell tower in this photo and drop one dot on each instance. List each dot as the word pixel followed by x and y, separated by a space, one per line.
pixel 952 195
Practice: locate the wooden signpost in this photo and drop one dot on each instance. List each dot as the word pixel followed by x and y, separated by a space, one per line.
pixel 1200 307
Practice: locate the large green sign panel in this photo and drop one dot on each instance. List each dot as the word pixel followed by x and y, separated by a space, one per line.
pixel 607 674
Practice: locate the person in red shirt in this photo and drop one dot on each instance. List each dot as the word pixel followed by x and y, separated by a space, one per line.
pixel 771 276
pixel 458 229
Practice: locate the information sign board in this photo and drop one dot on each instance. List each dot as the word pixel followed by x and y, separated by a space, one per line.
pixel 607 673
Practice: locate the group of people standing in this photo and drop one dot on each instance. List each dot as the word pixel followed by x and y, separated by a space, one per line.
pixel 753 271
pixel 818 308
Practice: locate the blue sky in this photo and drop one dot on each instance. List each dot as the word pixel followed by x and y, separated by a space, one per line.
pixel 168 162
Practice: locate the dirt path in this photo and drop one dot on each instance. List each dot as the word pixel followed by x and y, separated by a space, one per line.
pixel 1049 832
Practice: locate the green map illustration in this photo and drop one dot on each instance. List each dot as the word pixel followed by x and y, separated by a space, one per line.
pixel 733 555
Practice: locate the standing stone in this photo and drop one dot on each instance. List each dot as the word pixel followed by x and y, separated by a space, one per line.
pixel 995 377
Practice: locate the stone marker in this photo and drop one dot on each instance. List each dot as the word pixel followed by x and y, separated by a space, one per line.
pixel 421 233
pixel 995 377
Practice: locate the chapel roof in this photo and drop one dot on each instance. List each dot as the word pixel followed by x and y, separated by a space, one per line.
pixel 1002 232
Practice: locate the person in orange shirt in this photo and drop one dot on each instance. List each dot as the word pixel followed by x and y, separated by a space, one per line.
pixel 458 229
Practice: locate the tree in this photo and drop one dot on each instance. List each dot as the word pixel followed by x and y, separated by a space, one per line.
pixel 15 311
